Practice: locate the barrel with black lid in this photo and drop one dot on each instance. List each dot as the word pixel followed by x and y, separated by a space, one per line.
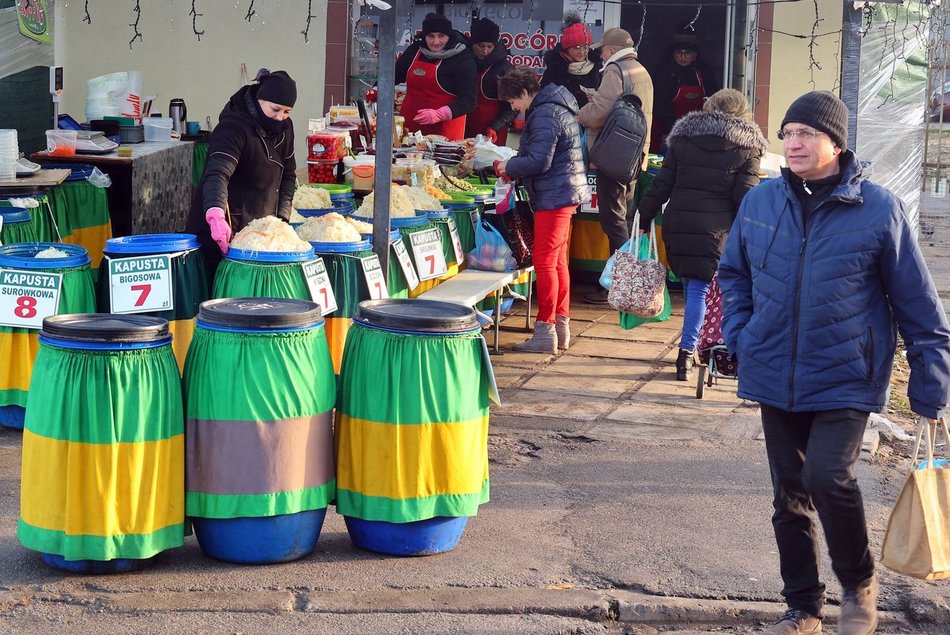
pixel 260 390
pixel 102 487
pixel 189 281
pixel 262 274
pixel 19 346
pixel 412 426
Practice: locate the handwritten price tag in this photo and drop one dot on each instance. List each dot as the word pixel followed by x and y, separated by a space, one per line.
pixel 427 253
pixel 141 284
pixel 456 241
pixel 26 297
pixel 318 281
pixel 375 281
pixel 406 265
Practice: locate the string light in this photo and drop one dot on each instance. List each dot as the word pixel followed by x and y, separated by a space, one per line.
pixel 88 18
pixel 250 11
pixel 194 20
pixel 136 35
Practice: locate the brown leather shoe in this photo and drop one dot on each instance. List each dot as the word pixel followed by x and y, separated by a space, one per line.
pixel 795 622
pixel 859 609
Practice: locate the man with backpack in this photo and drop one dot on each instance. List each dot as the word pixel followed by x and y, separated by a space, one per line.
pixel 615 198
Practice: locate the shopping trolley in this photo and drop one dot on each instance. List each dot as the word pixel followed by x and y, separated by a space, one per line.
pixel 715 361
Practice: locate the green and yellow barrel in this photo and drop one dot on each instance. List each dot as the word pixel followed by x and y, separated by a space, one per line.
pixel 412 426
pixel 19 346
pixel 18 225
pixel 259 394
pixel 103 476
pixel 188 277
pixel 465 212
pixel 262 274
pixel 342 261
pixel 440 220
pixel 47 230
pixel 408 226
pixel 81 212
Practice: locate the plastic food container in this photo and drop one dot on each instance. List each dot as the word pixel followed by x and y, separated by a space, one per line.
pixel 322 171
pixel 158 128
pixel 61 143
pixel 363 176
pixel 327 145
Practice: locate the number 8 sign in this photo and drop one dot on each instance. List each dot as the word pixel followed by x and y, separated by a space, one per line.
pixel 26 297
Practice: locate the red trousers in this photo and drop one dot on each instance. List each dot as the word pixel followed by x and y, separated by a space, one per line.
pixel 552 228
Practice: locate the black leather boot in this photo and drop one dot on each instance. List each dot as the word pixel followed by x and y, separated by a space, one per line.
pixel 684 365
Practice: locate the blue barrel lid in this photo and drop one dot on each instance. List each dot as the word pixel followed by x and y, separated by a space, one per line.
pixel 394 235
pixel 144 244
pixel 342 196
pixel 417 316
pixel 78 171
pixel 23 256
pixel 343 208
pixel 458 205
pixel 259 314
pixel 341 248
pixel 106 328
pixel 439 215
pixel 14 215
pixel 7 206
pixel 250 255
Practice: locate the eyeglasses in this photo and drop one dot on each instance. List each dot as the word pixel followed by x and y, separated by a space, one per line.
pixel 804 135
pixel 579 47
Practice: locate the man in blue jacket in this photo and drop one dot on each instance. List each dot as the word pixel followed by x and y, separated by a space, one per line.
pixel 821 271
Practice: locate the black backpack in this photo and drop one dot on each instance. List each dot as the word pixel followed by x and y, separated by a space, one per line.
pixel 618 150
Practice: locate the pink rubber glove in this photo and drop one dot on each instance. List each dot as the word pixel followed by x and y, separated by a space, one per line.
pixel 429 116
pixel 492 135
pixel 220 230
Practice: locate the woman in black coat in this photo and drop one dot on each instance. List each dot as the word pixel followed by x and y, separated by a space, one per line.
pixel 251 169
pixel 712 161
pixel 492 116
pixel 569 64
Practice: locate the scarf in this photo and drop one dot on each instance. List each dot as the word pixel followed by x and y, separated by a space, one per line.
pixel 270 126
pixel 616 56
pixel 444 53
pixel 580 68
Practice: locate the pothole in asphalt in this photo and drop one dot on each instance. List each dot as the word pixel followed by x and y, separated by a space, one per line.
pixel 511 451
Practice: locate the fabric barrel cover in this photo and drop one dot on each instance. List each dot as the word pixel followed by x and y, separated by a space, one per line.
pixel 259 435
pixel 419 447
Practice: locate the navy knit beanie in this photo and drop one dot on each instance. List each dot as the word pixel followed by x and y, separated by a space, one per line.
pixel 822 111
pixel 436 23
pixel 279 88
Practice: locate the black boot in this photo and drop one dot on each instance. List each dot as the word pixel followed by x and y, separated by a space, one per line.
pixel 684 365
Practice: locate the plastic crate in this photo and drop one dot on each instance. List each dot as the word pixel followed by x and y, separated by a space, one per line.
pixel 131 134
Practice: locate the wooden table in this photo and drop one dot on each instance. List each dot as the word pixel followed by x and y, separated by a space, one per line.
pixel 151 190
pixel 33 184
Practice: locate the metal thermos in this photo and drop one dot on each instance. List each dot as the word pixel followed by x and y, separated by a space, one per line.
pixel 179 114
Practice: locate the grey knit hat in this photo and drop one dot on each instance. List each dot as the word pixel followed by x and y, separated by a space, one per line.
pixel 822 111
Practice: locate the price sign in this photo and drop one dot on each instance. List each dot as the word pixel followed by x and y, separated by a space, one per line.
pixel 26 297
pixel 404 263
pixel 427 253
pixel 592 183
pixel 316 125
pixel 375 281
pixel 318 281
pixel 141 284
pixel 456 241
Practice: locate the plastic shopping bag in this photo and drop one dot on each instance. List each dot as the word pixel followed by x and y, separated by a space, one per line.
pixel 607 275
pixel 504 196
pixel 491 252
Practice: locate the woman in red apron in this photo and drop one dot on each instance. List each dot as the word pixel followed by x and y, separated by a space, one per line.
pixel 682 84
pixel 491 116
pixel 439 73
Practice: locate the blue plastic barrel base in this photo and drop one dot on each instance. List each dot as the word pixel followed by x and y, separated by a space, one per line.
pixel 260 540
pixel 94 567
pixel 420 538
pixel 12 417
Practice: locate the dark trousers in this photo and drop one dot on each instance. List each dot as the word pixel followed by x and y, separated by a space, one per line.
pixel 616 209
pixel 812 457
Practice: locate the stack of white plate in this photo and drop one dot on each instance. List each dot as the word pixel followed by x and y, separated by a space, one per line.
pixel 9 153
